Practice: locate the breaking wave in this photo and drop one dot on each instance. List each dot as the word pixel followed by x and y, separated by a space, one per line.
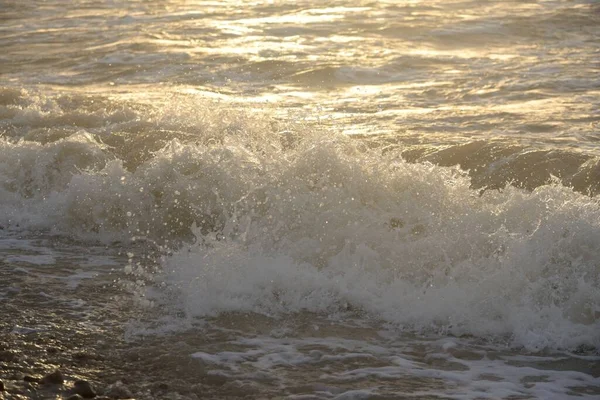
pixel 277 217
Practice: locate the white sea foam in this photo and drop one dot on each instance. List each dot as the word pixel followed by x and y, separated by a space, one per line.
pixel 304 220
pixel 333 229
pixel 439 373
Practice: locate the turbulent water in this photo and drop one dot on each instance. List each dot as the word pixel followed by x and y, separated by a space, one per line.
pixel 314 200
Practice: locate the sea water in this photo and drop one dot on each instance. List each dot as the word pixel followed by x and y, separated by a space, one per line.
pixel 309 200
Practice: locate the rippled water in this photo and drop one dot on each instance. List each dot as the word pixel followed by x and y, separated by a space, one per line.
pixel 313 199
pixel 527 70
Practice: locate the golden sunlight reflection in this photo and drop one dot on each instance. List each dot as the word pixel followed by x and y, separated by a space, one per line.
pixel 300 199
pixel 348 60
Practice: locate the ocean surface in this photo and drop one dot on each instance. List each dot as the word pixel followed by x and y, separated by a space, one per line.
pixel 309 199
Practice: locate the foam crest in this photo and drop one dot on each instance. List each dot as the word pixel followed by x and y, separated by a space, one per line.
pixel 338 230
pixel 101 171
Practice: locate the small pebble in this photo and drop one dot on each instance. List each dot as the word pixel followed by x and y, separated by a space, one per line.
pixel 84 356
pixel 29 378
pixel 54 378
pixel 9 356
pixel 84 388
pixel 160 387
pixel 118 391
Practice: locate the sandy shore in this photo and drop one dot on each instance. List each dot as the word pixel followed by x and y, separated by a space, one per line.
pixel 53 322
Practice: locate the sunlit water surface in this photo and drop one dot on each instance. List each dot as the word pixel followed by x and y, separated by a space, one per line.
pixel 310 200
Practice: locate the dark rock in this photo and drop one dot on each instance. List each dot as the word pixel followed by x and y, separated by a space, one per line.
pixel 75 397
pixel 118 391
pixel 54 378
pixel 85 356
pixel 84 388
pixel 29 378
pixel 8 355
pixel 215 380
pixel 160 387
pixel 1 386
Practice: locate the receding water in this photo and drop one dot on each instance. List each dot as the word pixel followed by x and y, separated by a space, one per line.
pixel 302 200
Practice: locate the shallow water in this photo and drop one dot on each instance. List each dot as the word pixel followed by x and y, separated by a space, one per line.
pixel 289 200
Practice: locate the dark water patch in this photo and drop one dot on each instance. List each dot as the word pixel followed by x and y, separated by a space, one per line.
pixel 495 164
